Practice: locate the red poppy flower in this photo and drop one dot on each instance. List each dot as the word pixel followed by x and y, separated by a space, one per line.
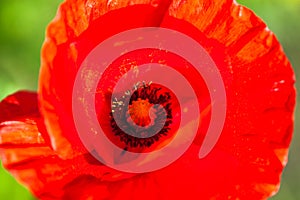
pixel 40 144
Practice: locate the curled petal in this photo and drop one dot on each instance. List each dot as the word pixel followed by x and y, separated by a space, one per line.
pixel 27 155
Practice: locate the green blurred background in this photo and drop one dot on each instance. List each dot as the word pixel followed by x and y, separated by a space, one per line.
pixel 22 28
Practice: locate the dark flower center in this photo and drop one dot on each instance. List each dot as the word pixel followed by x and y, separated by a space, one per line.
pixel 147 119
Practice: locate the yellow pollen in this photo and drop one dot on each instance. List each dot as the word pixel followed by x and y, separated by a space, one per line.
pixel 139 112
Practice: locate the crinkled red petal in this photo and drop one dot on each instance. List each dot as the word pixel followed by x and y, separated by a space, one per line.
pixel 251 152
pixel 24 152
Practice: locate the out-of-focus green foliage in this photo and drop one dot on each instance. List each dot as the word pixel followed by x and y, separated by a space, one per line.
pixel 22 28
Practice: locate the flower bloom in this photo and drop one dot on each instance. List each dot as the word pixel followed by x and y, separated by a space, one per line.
pixel 40 146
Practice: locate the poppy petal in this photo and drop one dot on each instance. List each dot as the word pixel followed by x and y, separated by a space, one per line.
pixel 247 160
pixel 30 159
pixel 72 32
